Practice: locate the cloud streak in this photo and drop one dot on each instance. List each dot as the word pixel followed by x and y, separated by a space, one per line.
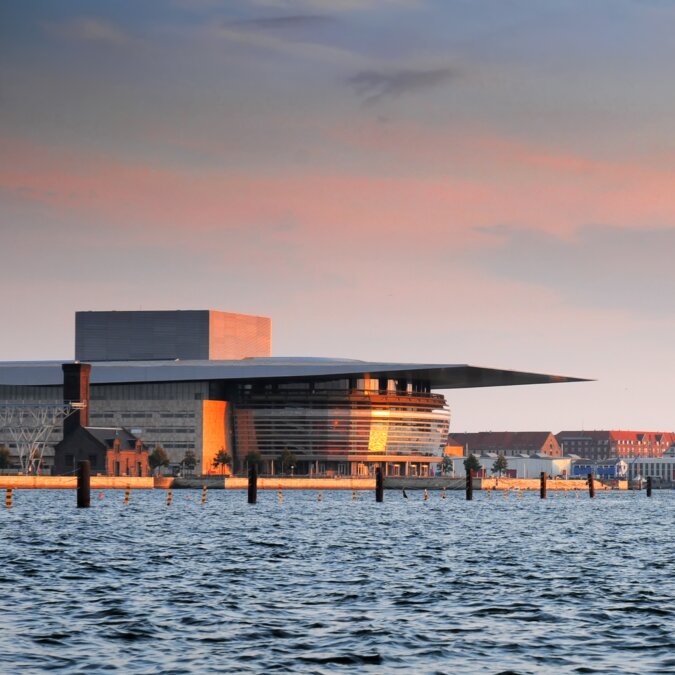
pixel 90 29
pixel 376 85
pixel 289 22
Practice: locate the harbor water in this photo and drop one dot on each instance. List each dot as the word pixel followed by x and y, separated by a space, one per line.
pixel 499 584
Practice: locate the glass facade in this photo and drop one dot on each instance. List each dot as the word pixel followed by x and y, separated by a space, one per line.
pixel 341 426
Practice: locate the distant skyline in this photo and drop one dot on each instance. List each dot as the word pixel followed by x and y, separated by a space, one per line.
pixel 398 180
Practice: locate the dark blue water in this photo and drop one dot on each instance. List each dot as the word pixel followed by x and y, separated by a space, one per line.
pixel 494 585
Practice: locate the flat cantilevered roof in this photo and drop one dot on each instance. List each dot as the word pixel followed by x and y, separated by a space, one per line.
pixel 439 376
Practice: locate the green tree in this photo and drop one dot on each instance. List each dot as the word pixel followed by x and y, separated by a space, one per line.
pixel 189 461
pixel 500 465
pixel 222 459
pixel 5 457
pixel 287 459
pixel 253 458
pixel 446 464
pixel 471 463
pixel 158 458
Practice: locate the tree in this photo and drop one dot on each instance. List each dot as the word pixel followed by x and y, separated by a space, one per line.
pixel 5 457
pixel 253 458
pixel 158 458
pixel 471 463
pixel 222 459
pixel 446 464
pixel 287 459
pixel 189 461
pixel 500 465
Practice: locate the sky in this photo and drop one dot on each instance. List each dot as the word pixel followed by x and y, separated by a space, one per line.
pixel 438 181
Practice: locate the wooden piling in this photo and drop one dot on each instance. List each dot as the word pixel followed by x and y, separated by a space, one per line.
pixel 84 484
pixel 252 484
pixel 8 498
pixel 169 496
pixel 203 495
pixel 591 486
pixel 649 486
pixel 127 492
pixel 542 485
pixel 469 485
pixel 379 485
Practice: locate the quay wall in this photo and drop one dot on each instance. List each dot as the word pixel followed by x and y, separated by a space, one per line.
pixel 70 482
pixel 294 483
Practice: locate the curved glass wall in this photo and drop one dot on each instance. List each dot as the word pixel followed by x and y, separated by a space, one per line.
pixel 338 429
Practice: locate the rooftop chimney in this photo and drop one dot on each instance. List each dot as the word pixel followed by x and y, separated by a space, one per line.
pixel 76 390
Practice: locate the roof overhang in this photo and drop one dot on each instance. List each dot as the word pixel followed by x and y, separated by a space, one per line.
pixel 439 376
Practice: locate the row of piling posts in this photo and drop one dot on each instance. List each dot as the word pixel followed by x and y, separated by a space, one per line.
pixel 84 487
pixel 8 498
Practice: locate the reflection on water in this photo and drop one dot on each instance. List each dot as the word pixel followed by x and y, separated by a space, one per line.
pixel 522 585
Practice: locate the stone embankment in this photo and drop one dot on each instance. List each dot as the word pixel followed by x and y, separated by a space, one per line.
pixel 295 483
pixel 278 483
pixel 70 482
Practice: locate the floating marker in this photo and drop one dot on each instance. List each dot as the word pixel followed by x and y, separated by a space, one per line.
pixel 126 496
pixel 280 496
pixel 353 495
pixel 169 496
pixel 319 497
pixel 426 495
pixel 443 493
pixel 8 498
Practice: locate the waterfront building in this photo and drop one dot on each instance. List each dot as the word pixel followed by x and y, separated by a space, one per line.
pixel 164 379
pixel 111 451
pixel 660 469
pixel 612 469
pixel 508 443
pixel 606 444
pixel 517 467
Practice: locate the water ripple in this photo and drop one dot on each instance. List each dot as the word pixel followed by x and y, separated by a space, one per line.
pixel 502 585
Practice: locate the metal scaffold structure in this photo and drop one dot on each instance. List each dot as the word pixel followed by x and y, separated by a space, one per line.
pixel 30 425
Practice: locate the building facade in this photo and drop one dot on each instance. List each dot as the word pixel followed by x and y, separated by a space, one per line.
pixel 518 467
pixel 333 416
pixel 607 444
pixel 509 443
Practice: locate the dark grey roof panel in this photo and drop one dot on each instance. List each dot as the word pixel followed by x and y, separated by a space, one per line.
pixel 440 376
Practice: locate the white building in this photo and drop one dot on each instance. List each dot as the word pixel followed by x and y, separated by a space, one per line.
pixel 524 467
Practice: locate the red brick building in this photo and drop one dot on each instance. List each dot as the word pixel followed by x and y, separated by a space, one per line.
pixel 610 443
pixel 509 443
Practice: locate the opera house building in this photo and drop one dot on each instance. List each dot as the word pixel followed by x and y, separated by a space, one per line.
pixel 206 381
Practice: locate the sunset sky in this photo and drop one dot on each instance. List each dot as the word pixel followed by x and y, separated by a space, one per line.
pixel 453 181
